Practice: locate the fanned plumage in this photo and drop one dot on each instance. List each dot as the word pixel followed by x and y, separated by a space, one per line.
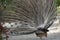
pixel 37 13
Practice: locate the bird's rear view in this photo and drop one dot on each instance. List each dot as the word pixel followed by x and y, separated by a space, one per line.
pixel 38 14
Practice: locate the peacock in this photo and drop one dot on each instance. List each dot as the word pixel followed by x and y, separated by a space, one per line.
pixel 36 15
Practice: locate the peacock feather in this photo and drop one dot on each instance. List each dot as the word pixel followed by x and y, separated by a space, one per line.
pixel 36 13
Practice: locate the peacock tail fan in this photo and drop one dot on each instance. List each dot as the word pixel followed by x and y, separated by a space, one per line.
pixel 37 13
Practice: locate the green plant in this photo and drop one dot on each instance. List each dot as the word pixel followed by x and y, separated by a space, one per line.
pixel 58 2
pixel 4 3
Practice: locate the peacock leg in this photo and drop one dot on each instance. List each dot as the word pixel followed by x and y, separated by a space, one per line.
pixel 41 35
